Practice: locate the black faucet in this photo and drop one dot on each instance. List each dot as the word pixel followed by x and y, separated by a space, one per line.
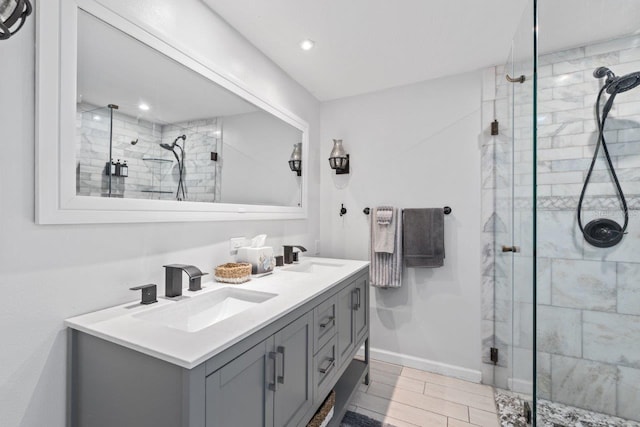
pixel 288 252
pixel 173 279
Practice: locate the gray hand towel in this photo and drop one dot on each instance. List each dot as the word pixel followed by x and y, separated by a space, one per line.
pixel 384 235
pixel 423 237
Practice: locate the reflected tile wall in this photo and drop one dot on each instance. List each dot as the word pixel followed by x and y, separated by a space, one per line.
pixel 153 171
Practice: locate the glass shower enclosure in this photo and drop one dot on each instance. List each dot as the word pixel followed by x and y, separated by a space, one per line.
pixel 561 315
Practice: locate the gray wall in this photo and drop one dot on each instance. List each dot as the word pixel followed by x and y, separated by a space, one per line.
pixel 411 147
pixel 49 273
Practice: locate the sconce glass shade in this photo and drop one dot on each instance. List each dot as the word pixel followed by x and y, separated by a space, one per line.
pixel 13 14
pixel 338 158
pixel 295 162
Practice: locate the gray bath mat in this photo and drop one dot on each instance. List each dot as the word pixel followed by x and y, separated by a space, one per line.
pixel 354 419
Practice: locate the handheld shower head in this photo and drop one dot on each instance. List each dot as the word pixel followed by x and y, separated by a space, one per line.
pixel 601 72
pixel 614 84
pixel 624 83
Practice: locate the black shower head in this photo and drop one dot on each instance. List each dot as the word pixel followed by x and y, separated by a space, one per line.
pixel 168 146
pixel 624 83
pixel 615 84
pixel 601 72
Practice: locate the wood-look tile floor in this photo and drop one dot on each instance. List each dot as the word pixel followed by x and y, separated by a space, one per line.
pixel 406 397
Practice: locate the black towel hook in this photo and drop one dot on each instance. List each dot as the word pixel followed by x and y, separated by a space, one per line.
pixel 343 210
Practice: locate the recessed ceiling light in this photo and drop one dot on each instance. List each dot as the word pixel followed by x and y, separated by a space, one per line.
pixel 307 44
pixel 143 107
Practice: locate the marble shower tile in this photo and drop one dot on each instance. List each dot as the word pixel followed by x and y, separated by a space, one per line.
pixel 543 371
pixel 612 338
pixel 559 330
pixel 521 374
pixel 523 325
pixel 628 391
pixel 581 284
pixel 585 384
pixel 543 281
pixel 629 288
pixel 556 235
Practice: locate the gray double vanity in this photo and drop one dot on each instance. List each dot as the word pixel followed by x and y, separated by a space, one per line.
pixel 264 353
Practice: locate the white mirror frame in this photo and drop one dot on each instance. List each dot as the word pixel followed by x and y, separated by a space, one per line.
pixel 56 199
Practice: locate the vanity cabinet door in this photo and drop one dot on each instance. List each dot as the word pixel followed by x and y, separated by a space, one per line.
pixel 346 330
pixel 293 395
pixel 361 307
pixel 238 394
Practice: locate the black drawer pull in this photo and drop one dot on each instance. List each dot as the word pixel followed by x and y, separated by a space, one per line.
pixel 331 320
pixel 332 363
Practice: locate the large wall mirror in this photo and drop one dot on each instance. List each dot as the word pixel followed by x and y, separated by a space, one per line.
pixel 146 133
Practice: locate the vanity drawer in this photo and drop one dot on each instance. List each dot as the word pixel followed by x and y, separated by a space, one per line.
pixel 325 367
pixel 324 322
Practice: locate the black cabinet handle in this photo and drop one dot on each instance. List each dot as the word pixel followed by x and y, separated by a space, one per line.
pixel 331 320
pixel 332 363
pixel 354 296
pixel 358 295
pixel 274 385
pixel 280 350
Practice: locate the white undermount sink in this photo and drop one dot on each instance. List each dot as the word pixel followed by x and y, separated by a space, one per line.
pixel 312 267
pixel 199 312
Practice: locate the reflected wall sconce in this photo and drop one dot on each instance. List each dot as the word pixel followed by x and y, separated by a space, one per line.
pixel 295 162
pixel 13 14
pixel 338 158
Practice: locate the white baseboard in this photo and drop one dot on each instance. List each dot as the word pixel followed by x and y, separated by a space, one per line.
pixel 424 364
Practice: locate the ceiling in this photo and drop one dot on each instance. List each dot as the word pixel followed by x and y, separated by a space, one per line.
pixel 369 45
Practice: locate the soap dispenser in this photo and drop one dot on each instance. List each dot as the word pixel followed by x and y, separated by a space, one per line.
pixel 124 169
pixel 118 166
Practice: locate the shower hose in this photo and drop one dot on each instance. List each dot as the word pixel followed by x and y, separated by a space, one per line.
pixel 603 232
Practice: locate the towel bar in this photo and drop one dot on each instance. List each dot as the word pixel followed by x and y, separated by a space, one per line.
pixel 447 210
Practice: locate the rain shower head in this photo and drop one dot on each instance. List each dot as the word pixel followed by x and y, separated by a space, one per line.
pixel 168 146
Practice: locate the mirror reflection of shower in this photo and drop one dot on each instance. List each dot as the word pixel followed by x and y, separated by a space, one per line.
pixel 180 191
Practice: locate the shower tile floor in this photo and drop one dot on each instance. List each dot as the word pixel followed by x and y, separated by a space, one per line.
pixel 403 397
pixel 551 414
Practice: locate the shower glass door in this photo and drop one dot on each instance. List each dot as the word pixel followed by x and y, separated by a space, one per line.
pixel 523 208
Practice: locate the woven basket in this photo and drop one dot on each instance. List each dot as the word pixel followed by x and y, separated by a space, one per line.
pixel 233 272
pixel 326 410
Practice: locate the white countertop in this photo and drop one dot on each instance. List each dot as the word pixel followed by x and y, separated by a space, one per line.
pixel 189 349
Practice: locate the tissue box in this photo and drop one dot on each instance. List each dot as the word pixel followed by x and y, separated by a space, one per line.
pixel 261 259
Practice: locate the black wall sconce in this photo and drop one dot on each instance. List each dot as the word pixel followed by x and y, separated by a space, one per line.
pixel 338 158
pixel 13 13
pixel 295 162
